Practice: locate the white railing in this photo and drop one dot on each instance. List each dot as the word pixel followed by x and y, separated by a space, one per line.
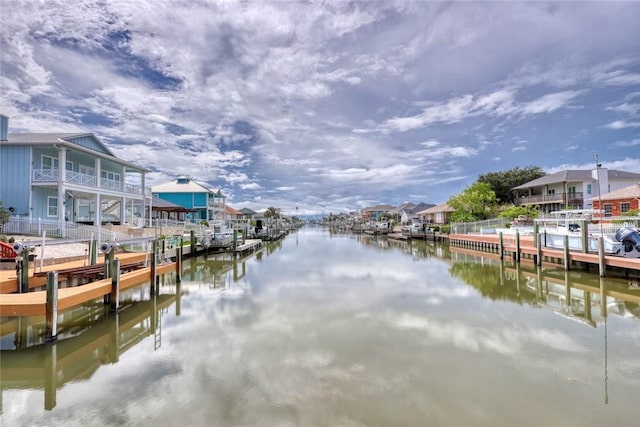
pixel 478 226
pixel 132 189
pixel 83 179
pixel 45 175
pixel 110 184
pixel 36 226
pixel 80 178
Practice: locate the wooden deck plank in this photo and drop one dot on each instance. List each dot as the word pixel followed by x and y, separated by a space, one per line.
pixel 526 246
pixel 9 281
pixel 33 303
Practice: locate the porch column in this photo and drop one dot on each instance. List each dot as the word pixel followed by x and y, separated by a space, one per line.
pixel 144 201
pixel 97 215
pixel 123 210
pixel 98 171
pixel 62 169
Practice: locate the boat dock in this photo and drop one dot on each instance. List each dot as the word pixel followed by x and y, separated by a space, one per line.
pixel 19 297
pixel 518 246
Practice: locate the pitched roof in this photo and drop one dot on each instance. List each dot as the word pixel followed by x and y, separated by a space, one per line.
pixel 164 205
pixel 66 139
pixel 437 209
pixel 419 207
pixel 232 211
pixel 184 186
pixel 248 211
pixel 378 208
pixel 48 138
pixel 404 206
pixel 43 138
pixel 576 176
pixel 630 192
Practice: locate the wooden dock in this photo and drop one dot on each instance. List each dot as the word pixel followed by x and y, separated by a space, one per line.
pixel 34 303
pixel 518 246
pixel 37 277
pixel 249 245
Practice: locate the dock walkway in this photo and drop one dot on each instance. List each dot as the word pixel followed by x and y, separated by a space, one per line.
pixel 34 303
pixel 517 245
pixel 37 276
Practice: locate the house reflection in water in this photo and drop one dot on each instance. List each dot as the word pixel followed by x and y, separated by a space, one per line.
pixel 579 296
pixel 90 337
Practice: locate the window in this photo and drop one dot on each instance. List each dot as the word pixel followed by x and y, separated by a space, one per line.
pixel 111 176
pixel 69 165
pixel 625 207
pixel 588 188
pixel 86 170
pixel 49 162
pixel 607 209
pixel 52 206
pixel 571 190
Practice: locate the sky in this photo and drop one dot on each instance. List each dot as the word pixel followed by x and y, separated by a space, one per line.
pixel 318 107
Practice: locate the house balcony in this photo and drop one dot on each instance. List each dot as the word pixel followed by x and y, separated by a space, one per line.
pixel 90 182
pixel 541 199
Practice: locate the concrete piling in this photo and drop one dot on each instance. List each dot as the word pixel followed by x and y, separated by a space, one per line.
pixel 51 308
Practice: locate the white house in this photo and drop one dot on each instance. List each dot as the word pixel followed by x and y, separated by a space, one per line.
pixel 572 189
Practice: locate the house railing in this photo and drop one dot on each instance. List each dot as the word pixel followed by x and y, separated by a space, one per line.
pixel 550 198
pixel 487 226
pixel 85 180
pixel 45 175
pixel 61 229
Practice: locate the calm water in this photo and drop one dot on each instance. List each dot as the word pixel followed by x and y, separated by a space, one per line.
pixel 339 330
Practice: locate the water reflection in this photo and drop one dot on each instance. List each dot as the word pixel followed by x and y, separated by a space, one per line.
pixel 86 345
pixel 330 329
pixel 568 293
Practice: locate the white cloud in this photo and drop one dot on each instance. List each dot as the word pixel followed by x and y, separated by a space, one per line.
pixel 366 97
pixel 621 124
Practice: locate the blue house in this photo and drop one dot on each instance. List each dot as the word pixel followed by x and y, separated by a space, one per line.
pixel 207 204
pixel 70 177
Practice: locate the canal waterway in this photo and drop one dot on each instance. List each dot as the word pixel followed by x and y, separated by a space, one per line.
pixel 330 329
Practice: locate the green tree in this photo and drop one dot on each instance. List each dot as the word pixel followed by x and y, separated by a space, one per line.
pixel 476 202
pixel 271 212
pixel 502 182
pixel 512 212
pixel 4 216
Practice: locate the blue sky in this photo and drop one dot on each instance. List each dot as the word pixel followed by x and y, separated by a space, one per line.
pixel 330 106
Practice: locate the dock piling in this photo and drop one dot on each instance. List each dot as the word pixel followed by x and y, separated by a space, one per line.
pixel 154 266
pixel 51 308
pixel 179 263
pixel 567 260
pixel 603 297
pixel 602 267
pixel 22 271
pixel 114 298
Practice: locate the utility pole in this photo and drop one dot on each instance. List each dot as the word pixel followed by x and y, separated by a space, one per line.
pixel 598 166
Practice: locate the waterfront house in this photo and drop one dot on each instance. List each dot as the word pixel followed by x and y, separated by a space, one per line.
pixel 207 204
pixel 437 215
pixel 71 177
pixel 165 210
pixel 619 202
pixel 248 213
pixel 408 212
pixel 234 214
pixel 374 212
pixel 572 189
